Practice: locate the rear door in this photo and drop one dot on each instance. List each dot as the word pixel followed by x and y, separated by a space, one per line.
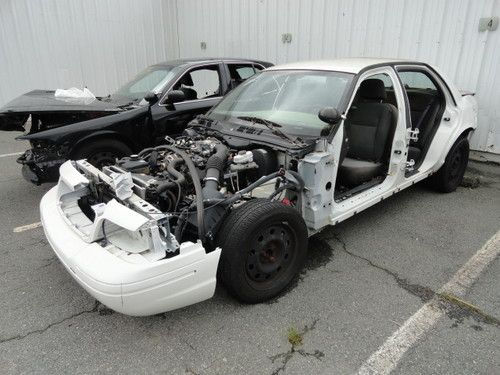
pixel 240 71
pixel 431 108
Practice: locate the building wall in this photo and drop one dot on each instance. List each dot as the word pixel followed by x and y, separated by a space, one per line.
pixel 102 43
pixel 441 32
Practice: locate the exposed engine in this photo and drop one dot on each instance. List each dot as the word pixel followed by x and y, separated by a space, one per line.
pixel 196 179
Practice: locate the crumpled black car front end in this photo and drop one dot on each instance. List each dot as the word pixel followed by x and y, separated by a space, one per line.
pixel 41 164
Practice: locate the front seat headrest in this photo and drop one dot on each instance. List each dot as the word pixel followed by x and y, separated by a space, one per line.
pixel 373 89
pixel 187 80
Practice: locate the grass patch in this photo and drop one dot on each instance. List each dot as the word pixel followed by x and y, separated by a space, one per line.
pixel 294 337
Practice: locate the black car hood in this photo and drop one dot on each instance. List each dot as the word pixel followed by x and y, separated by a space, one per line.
pixel 39 101
pixel 80 129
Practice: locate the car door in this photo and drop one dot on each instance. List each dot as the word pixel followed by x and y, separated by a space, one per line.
pixel 203 88
pixel 433 112
pixel 241 71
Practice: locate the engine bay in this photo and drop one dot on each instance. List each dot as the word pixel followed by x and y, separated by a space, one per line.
pixel 194 181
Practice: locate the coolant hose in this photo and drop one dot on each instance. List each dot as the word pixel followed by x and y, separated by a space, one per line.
pixel 250 187
pixel 197 188
pixel 172 169
pixel 179 178
pixel 214 169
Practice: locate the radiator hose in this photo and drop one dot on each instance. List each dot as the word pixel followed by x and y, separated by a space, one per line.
pixel 197 188
pixel 214 170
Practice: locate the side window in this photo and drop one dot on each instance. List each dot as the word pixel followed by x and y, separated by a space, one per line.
pixel 417 80
pixel 240 72
pixel 200 83
pixel 423 97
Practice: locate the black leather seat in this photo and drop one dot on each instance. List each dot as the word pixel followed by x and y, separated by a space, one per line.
pixel 369 126
pixel 425 124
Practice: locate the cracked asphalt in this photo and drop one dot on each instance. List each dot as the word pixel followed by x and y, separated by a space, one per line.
pixel 364 278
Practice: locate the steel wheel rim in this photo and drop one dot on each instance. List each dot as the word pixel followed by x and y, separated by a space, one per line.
pixel 270 255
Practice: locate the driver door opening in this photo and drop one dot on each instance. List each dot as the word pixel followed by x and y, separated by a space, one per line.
pixel 368 134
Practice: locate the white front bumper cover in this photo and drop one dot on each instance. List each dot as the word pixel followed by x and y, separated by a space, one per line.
pixel 134 289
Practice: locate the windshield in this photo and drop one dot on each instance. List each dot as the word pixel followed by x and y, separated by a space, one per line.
pixel 153 79
pixel 289 99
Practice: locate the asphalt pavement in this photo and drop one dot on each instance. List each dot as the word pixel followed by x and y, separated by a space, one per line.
pixel 363 280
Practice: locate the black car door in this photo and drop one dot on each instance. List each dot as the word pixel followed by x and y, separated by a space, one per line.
pixel 202 87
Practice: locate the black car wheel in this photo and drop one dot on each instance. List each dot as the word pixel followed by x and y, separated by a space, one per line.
pixel 102 152
pixel 450 175
pixel 264 245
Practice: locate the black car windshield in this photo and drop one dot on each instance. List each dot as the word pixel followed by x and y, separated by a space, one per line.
pixel 290 99
pixel 153 79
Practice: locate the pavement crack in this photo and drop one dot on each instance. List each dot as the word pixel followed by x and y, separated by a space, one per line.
pixel 49 261
pixel 42 330
pixel 455 308
pixel 285 357
pixel 423 292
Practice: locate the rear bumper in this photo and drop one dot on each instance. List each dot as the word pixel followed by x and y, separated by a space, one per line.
pixel 132 288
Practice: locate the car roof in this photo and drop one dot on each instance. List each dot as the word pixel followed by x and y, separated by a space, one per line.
pixel 198 60
pixel 348 65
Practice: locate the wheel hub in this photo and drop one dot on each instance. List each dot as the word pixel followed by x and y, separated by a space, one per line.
pixel 270 253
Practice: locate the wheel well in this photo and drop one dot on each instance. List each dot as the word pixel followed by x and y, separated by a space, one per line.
pixel 465 133
pixel 99 137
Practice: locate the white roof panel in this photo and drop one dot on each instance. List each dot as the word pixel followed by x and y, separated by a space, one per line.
pixel 348 65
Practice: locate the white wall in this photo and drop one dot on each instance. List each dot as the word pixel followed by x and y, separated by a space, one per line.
pixel 51 44
pixel 441 32
pixel 101 43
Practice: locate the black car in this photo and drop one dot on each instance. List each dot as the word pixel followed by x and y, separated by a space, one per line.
pixel 158 102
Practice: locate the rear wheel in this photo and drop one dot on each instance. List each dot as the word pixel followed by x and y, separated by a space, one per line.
pixel 451 174
pixel 264 245
pixel 102 152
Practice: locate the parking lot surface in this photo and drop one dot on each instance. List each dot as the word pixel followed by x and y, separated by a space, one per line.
pixel 363 280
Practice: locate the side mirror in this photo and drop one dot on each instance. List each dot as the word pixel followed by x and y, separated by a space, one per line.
pixel 175 96
pixel 151 98
pixel 329 115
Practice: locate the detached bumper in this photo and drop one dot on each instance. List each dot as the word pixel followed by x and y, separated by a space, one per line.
pixel 39 167
pixel 132 288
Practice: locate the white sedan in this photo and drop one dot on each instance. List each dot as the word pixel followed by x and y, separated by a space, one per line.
pixel 290 151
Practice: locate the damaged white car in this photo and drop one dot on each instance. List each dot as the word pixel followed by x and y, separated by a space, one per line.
pixel 290 151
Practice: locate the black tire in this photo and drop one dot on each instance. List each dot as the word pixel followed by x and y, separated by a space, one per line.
pixel 264 245
pixel 102 152
pixel 451 174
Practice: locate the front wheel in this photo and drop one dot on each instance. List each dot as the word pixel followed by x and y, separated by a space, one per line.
pixel 264 245
pixel 102 152
pixel 451 174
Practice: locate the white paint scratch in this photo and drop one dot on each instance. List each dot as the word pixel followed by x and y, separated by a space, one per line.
pixel 12 154
pixel 27 227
